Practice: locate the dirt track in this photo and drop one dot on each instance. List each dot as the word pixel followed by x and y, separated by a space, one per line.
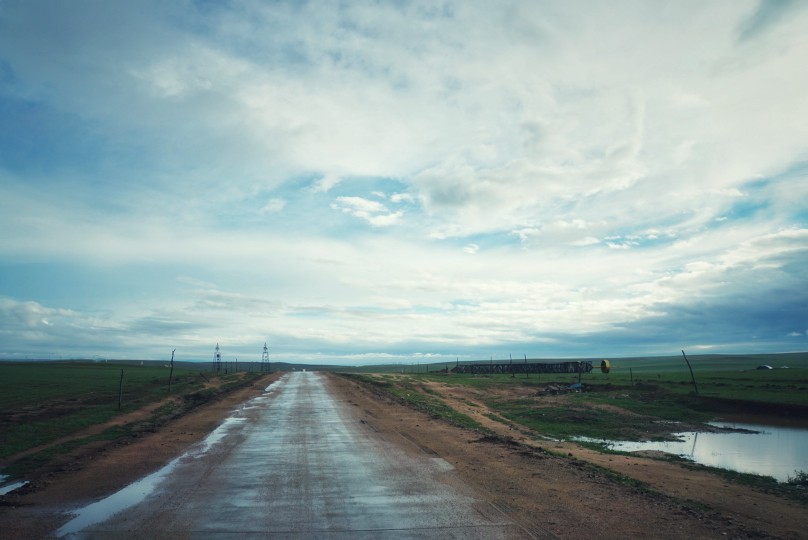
pixel 554 487
pixel 548 494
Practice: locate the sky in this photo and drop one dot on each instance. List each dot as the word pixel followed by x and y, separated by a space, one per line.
pixel 402 181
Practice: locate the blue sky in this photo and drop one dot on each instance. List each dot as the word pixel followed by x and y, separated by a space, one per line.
pixel 402 181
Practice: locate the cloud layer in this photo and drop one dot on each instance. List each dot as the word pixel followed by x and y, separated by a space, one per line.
pixel 403 180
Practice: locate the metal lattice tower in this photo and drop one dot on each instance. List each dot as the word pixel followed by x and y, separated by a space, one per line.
pixel 217 360
pixel 265 360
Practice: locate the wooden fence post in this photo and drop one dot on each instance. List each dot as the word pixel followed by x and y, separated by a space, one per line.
pixel 120 391
pixel 691 373
pixel 171 373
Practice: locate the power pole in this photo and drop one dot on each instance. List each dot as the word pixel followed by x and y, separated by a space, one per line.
pixel 265 360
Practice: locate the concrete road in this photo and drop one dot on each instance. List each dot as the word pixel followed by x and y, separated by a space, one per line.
pixel 295 463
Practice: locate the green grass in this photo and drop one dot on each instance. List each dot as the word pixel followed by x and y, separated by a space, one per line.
pixel 484 382
pixel 580 419
pixel 647 364
pixel 791 490
pixel 420 398
pixel 785 386
pixel 30 384
pixel 657 403
pixel 639 398
pixel 639 393
pixel 43 457
pixel 20 437
pixel 725 377
pixel 776 386
pixel 637 412
pixel 43 402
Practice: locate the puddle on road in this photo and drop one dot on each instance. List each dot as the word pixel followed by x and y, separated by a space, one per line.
pixel 137 492
pixel 6 488
pixel 767 450
pixel 215 436
pixel 256 402
pixel 106 508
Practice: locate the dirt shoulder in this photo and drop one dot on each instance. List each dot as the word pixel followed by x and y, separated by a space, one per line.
pixel 734 503
pixel 560 489
pixel 100 470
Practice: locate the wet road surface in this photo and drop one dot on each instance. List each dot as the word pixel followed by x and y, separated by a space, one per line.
pixel 295 463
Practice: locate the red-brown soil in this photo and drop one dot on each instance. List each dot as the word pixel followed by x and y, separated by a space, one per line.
pixel 558 489
pixel 99 469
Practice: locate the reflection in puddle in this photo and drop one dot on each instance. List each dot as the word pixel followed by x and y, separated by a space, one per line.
pixel 138 491
pixel 128 496
pixel 770 451
pixel 11 486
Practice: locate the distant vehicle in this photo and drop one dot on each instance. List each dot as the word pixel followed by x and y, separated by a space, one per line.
pixel 765 367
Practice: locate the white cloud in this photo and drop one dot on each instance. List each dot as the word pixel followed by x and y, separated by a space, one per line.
pixel 587 241
pixel 374 212
pixel 325 184
pixel 197 68
pixel 385 220
pixel 401 197
pixel 614 245
pixel 29 316
pixel 273 206
pixel 611 181
pixel 527 233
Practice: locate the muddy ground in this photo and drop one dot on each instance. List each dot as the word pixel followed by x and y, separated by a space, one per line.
pixel 560 489
pixel 551 489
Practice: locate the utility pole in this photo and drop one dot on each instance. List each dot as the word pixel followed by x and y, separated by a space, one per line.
pixel 265 360
pixel 217 360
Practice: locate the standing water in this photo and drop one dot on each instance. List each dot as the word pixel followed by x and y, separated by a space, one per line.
pixel 8 487
pixel 768 451
pixel 140 490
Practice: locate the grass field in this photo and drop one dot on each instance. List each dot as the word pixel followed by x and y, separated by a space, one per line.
pixel 421 399
pixel 638 399
pixel 43 402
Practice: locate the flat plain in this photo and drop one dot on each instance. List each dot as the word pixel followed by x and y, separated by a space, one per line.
pixel 507 437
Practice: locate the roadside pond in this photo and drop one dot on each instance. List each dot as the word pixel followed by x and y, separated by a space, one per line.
pixel 757 449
